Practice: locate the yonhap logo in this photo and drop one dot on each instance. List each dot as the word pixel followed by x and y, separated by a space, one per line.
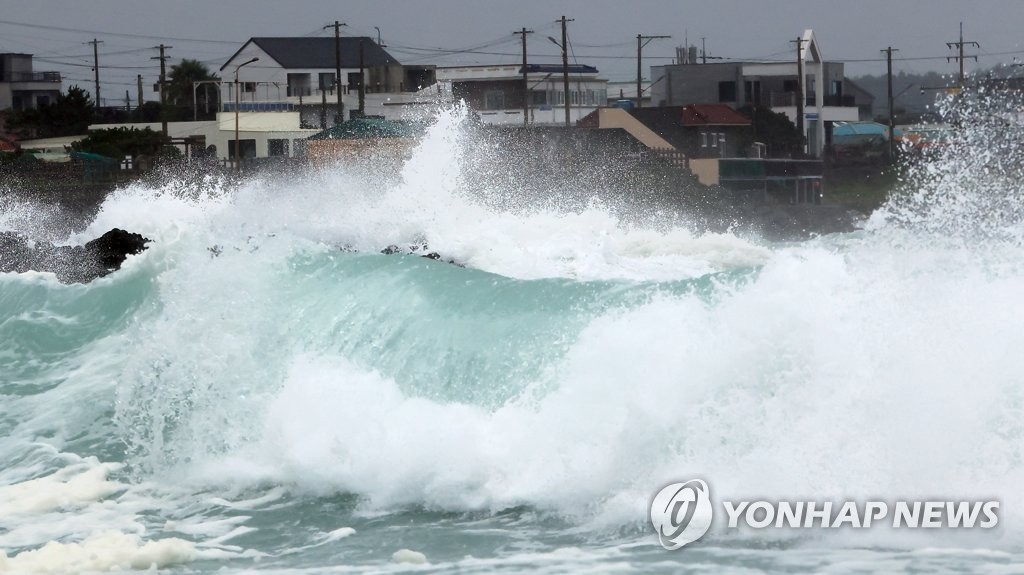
pixel 681 513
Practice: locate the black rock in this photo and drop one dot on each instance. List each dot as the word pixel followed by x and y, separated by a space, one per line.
pixel 71 264
pixel 113 247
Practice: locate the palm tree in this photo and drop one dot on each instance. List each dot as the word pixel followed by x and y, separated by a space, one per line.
pixel 180 86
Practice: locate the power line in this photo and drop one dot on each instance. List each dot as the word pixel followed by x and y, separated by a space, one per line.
pixel 117 34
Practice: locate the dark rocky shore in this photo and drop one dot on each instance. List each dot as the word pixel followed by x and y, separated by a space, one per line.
pixel 71 264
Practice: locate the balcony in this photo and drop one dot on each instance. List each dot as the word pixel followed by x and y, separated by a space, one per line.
pixel 34 77
pixel 784 99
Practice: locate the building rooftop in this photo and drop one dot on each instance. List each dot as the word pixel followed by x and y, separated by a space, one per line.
pixel 712 115
pixel 319 53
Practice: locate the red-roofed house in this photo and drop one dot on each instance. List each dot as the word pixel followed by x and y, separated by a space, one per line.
pixel 699 130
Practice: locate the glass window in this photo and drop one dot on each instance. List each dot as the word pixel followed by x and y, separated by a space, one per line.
pixel 354 80
pixel 727 91
pixel 298 85
pixel 248 148
pixel 494 100
pixel 277 147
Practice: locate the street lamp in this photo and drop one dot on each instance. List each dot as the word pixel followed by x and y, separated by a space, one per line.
pixel 238 143
pixel 565 69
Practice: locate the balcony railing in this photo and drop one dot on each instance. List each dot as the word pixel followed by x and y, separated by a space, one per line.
pixel 783 99
pixel 35 77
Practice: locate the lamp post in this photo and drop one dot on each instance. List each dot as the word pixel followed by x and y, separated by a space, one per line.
pixel 238 143
pixel 565 69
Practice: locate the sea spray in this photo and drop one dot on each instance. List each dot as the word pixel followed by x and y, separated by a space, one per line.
pixel 267 377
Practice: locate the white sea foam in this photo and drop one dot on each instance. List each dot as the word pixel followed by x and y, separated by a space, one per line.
pixel 111 551
pixel 409 556
pixel 70 487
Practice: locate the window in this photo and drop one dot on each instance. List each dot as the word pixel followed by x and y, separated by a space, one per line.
pixel 248 87
pixel 538 98
pixel 714 140
pixel 837 87
pixel 298 85
pixel 248 148
pixel 42 101
pixel 790 86
pixel 727 91
pixel 703 139
pixel 752 91
pixel 354 80
pixel 299 148
pixel 494 100
pixel 326 81
pixel 277 148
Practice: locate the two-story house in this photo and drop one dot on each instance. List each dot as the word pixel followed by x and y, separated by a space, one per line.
pixel 299 74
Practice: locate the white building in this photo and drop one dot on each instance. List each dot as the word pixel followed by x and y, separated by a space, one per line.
pixel 299 74
pixel 496 92
pixel 262 134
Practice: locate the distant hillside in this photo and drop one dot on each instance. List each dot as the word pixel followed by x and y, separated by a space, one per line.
pixel 910 101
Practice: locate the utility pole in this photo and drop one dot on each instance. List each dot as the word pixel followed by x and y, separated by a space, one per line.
pixel 362 82
pixel 337 68
pixel 163 86
pixel 961 57
pixel 565 66
pixel 800 85
pixel 892 133
pixel 138 79
pixel 96 67
pixel 526 81
pixel 640 43
pixel 703 51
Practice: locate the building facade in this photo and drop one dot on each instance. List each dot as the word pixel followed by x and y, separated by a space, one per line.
pixel 824 93
pixel 21 88
pixel 496 93
pixel 299 74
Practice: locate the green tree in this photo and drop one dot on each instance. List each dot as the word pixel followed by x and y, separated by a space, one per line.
pixel 70 115
pixel 180 86
pixel 121 142
pixel 775 130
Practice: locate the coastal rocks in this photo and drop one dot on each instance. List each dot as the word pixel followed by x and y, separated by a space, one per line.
pixel 71 264
pixel 418 250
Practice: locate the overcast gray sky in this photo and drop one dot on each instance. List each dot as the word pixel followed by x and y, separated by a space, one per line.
pixel 440 32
